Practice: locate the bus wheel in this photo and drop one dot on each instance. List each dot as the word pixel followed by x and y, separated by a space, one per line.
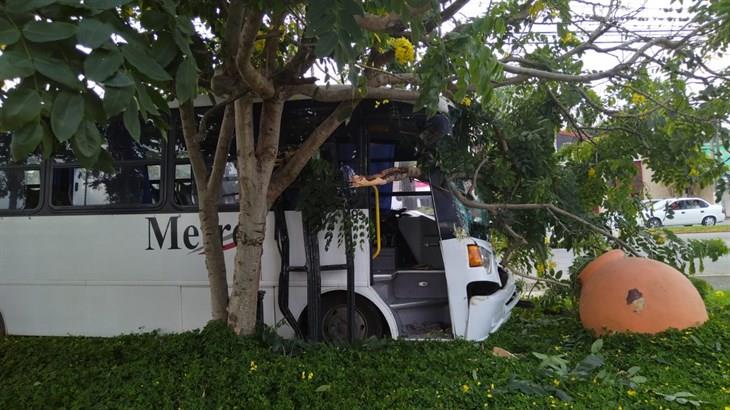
pixel 369 322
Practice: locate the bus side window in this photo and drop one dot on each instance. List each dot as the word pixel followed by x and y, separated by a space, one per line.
pixel 135 181
pixel 184 190
pixel 20 182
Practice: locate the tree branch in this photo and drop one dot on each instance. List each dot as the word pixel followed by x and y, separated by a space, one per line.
pixel 496 207
pixel 289 172
pixel 200 170
pixel 255 80
pixel 328 94
pixel 225 135
pixel 556 76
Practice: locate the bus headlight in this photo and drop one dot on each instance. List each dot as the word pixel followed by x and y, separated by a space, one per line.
pixel 475 256
pixel 479 256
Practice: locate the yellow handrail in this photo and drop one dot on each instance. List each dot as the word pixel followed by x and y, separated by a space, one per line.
pixel 377 222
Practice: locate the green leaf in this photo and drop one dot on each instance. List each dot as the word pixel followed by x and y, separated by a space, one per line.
pixel 9 34
pixel 66 115
pixel 94 108
pixel 87 140
pixel 183 43
pixel 25 140
pixel 155 20
pixel 597 346
pixel 15 64
pixel 93 33
pixel 43 32
pixel 144 63
pixel 144 100
pixel 186 80
pixel 131 120
pixel 116 99
pixel 164 49
pixel 185 25
pixel 47 142
pixel 323 388
pixel 121 79
pixel 326 44
pixel 24 6
pixel 57 70
pixel 101 64
pixel 105 4
pixel 22 106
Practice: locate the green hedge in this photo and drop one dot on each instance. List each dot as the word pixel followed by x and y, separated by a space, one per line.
pixel 214 368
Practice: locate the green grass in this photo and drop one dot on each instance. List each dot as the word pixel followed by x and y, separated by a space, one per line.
pixel 215 369
pixel 699 229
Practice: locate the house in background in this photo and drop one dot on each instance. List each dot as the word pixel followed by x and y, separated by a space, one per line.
pixel 648 188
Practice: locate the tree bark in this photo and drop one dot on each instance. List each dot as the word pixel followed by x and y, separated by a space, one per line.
pixel 255 165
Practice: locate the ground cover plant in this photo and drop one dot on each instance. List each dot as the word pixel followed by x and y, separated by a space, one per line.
pixel 558 365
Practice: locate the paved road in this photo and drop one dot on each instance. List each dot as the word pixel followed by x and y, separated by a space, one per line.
pixel 716 273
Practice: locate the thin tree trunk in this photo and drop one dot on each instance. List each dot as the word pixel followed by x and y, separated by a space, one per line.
pixel 208 214
pixel 214 258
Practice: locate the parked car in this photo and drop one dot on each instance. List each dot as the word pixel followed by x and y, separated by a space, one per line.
pixel 681 211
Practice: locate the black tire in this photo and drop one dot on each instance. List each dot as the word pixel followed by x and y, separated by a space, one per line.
pixel 654 223
pixel 709 221
pixel 369 322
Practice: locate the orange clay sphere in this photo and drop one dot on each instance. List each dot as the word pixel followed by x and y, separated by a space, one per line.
pixel 640 295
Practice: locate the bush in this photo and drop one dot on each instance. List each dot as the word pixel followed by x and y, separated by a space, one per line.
pixel 214 368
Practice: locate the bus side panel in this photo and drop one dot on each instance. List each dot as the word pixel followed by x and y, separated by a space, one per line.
pixel 45 309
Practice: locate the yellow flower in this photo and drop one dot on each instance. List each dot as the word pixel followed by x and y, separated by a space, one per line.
pixel 568 37
pixel 556 382
pixel 536 8
pixel 637 99
pixel 721 294
pixel 694 172
pixel 310 376
pixel 591 172
pixel 465 388
pixel 466 101
pixel 552 265
pixel 258 46
pixel 404 51
pixel 631 393
pixel 540 267
pixel 252 367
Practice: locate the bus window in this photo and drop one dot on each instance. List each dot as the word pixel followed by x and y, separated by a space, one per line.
pixel 20 182
pixel 135 182
pixel 184 190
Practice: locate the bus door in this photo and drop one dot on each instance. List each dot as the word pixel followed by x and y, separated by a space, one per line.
pixel 408 273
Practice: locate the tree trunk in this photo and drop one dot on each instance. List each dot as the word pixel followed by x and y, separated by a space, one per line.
pixel 208 210
pixel 214 258
pixel 255 165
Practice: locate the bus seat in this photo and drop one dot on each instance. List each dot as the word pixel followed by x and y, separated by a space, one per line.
pixel 422 236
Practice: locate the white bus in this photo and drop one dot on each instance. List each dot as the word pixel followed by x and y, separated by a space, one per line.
pixel 89 253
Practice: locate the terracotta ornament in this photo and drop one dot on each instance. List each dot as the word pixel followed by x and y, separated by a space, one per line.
pixel 641 295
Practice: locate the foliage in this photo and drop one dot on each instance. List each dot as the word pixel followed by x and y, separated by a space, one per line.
pixel 326 205
pixel 129 71
pixel 214 368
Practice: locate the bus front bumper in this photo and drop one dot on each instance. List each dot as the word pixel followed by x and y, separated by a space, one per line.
pixel 487 313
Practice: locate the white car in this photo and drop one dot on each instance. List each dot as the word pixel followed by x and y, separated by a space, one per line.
pixel 681 211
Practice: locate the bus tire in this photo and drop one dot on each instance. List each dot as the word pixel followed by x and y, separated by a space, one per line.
pixel 369 321
pixel 2 326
